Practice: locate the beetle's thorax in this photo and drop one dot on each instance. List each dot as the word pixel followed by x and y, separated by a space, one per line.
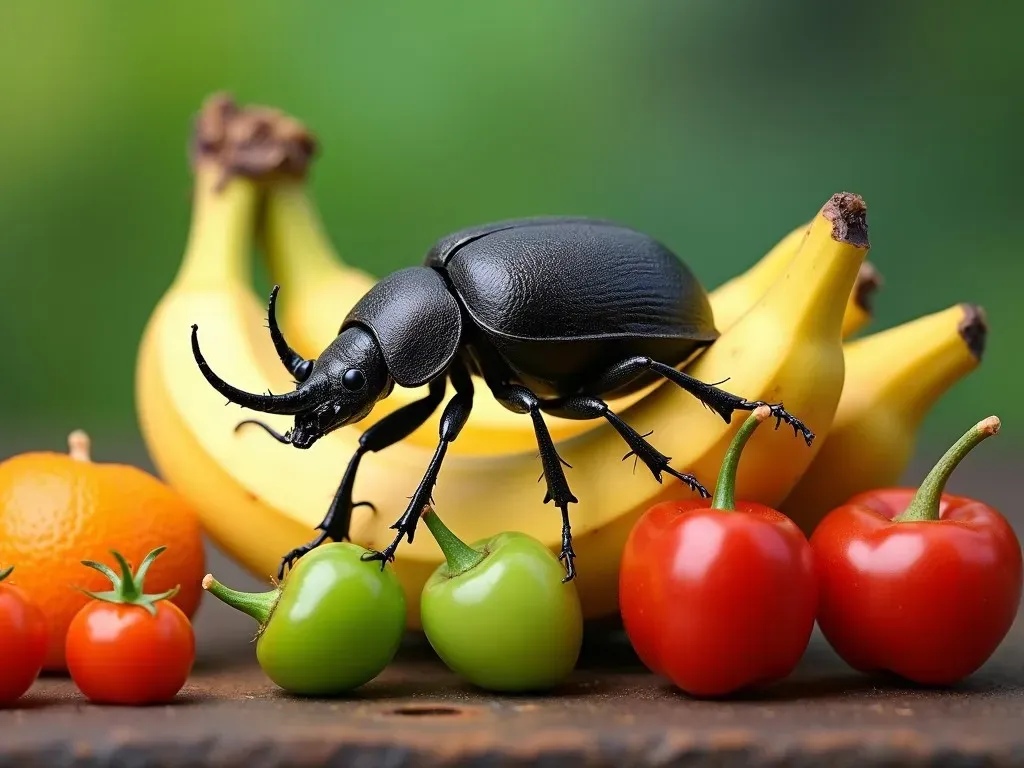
pixel 416 322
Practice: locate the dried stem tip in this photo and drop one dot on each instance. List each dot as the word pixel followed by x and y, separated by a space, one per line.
pixel 974 329
pixel 849 216
pixel 869 280
pixel 79 445
pixel 989 426
pixel 253 141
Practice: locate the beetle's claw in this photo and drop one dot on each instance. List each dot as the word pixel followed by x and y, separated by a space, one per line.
pixel 781 415
pixel 690 480
pixel 568 556
pixel 386 556
pixel 288 560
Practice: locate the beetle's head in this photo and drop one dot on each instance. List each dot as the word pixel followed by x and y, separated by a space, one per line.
pixel 341 387
pixel 346 381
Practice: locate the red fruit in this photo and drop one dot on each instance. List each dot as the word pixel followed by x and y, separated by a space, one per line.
pixel 716 595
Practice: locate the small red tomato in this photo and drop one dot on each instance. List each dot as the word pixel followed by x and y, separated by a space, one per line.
pixel 23 639
pixel 716 595
pixel 127 647
pixel 918 583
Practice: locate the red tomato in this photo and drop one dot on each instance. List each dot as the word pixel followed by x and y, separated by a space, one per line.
pixel 120 654
pixel 927 600
pixel 717 600
pixel 23 641
pixel 718 595
pixel 127 647
pixel 917 582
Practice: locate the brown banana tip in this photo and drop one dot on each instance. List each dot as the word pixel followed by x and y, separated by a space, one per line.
pixel 849 216
pixel 869 280
pixel 253 141
pixel 207 580
pixel 974 329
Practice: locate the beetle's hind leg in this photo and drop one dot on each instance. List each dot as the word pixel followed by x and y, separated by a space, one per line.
pixel 721 402
pixel 581 407
pixel 521 400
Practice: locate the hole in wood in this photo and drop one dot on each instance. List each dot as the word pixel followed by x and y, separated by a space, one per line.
pixel 426 711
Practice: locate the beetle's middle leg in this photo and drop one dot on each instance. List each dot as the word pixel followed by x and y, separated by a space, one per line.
pixel 519 399
pixel 582 407
pixel 721 402
pixel 454 418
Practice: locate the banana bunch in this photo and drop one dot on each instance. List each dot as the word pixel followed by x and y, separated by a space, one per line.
pixel 782 326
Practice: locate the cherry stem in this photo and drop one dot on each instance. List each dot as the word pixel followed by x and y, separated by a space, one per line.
pixel 259 605
pixel 925 504
pixel 725 488
pixel 6 572
pixel 459 556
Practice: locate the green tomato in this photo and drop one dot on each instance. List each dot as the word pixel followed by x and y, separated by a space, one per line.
pixel 498 614
pixel 333 624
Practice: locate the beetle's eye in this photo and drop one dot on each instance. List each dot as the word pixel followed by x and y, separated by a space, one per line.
pixel 353 379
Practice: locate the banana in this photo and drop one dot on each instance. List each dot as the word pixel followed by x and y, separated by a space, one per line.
pixel 318 288
pixel 258 499
pixel 893 378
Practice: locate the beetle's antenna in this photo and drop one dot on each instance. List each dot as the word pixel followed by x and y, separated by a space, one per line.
pixel 289 403
pixel 286 438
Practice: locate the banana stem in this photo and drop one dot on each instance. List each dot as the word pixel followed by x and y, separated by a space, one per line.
pixel 459 556
pixel 725 489
pixel 293 235
pixel 924 506
pixel 219 245
pixel 259 605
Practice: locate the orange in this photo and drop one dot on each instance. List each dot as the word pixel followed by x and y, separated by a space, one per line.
pixel 59 509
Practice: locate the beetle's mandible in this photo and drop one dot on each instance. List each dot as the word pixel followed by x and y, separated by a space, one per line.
pixel 554 315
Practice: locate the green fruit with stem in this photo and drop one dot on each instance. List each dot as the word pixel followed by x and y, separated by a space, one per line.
pixel 332 625
pixel 498 613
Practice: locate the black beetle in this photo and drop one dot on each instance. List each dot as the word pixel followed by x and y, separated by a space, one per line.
pixel 554 314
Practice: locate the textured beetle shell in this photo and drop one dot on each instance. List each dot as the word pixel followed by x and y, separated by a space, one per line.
pixel 561 299
pixel 416 321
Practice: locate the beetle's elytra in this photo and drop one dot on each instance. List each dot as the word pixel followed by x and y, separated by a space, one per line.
pixel 554 315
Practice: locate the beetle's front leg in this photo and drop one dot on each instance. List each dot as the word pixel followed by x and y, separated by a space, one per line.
pixel 521 400
pixel 388 431
pixel 454 418
pixel 721 402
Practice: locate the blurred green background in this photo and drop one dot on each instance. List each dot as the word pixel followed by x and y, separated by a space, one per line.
pixel 717 127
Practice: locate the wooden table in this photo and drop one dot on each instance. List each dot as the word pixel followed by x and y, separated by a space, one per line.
pixel 612 712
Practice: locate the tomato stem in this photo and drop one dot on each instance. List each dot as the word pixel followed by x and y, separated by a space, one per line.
pixel 925 504
pixel 127 587
pixel 6 572
pixel 459 555
pixel 259 605
pixel 725 489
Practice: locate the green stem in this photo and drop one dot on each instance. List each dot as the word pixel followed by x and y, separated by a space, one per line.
pixel 259 605
pixel 6 572
pixel 925 504
pixel 459 555
pixel 725 489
